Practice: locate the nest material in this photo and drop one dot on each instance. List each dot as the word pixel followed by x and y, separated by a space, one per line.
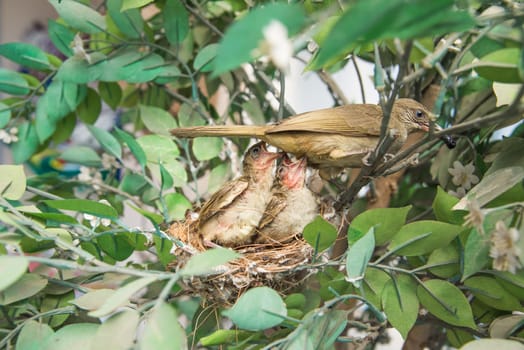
pixel 278 266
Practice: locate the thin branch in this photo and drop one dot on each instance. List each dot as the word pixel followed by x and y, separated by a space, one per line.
pixel 359 76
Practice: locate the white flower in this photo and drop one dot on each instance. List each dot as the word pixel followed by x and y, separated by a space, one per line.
pixel 78 48
pixel 461 192
pixel 503 250
pixel 91 176
pixel 8 137
pixel 95 221
pixel 475 217
pixel 463 175
pixel 277 45
pixel 109 162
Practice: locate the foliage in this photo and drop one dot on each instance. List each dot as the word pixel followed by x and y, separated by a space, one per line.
pixel 75 274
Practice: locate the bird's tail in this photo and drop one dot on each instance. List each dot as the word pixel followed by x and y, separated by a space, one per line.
pixel 221 130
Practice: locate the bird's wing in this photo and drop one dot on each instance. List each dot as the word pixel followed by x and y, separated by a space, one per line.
pixel 350 120
pixel 222 198
pixel 275 206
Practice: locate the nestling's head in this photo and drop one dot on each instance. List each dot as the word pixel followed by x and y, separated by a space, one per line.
pixel 258 158
pixel 292 174
pixel 414 115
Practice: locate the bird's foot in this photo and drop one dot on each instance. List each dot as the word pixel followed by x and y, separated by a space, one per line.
pixel 367 159
pixel 388 156
pixel 209 244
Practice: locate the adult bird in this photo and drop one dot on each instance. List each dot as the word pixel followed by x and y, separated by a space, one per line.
pixel 332 138
pixel 229 217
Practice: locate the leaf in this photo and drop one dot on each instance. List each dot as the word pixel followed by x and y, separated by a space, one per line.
pixel 26 55
pixel 400 303
pixel 32 335
pixel 12 181
pixel 385 221
pixel 163 248
pixel 177 205
pixel 5 115
pixel 117 332
pixel 225 336
pixel 115 245
pixel 81 155
pixel 107 141
pixel 358 257
pixel 89 109
pixel 27 144
pixel 422 237
pixel 128 21
pixel 121 296
pixel 132 66
pixel 320 234
pixel 443 208
pixel 205 57
pixel 490 292
pixel 72 336
pixel 61 36
pixel 476 254
pixel 27 286
pixel 154 218
pixel 157 120
pixel 93 300
pixel 134 184
pixel 374 283
pixel 206 262
pixel 513 283
pixel 244 35
pixel 503 326
pixel 206 148
pixel 446 302
pixel 130 4
pixel 447 256
pixel 162 330
pixel 490 344
pixel 111 93
pixel 257 309
pixel 500 65
pixel 318 331
pixel 133 145
pixel 84 206
pixel 78 71
pixel 166 179
pixel 176 21
pixel 79 16
pixel 13 83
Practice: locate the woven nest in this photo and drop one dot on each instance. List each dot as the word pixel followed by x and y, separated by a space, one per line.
pixel 279 266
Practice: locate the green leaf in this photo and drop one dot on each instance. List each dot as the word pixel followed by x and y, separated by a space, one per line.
pixel 490 292
pixel 89 109
pixel 12 181
pixel 400 303
pixel 132 66
pixel 225 336
pixel 158 149
pixel 163 248
pixel 442 207
pixel 94 299
pixel 157 120
pixel 52 302
pixel 166 179
pixel 130 4
pixel 448 257
pixel 154 218
pixel 162 330
pixel 27 144
pixel 386 221
pixel 27 286
pixel 176 21
pixel 245 35
pixel 26 55
pixel 513 283
pixel 446 302
pixel 205 57
pixel 32 335
pixel 206 262
pixel 490 344
pixel 206 148
pixel 61 36
pixel 79 16
pixel 374 283
pixel 129 21
pixel 13 83
pixel 134 184
pixel 217 177
pixel 107 141
pixel 64 129
pixel 5 115
pixel 11 269
pixel 118 332
pixel 72 336
pixel 177 205
pixel 358 257
pixel 320 234
pixel 116 245
pixel 133 145
pixel 81 155
pixel 500 65
pixel 257 309
pixel 111 93
pixel 476 254
pixel 84 206
pixel 78 71
pixel 121 296
pixel 422 237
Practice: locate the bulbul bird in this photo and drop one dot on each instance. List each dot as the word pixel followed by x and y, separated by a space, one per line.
pixel 231 215
pixel 331 138
pixel 292 206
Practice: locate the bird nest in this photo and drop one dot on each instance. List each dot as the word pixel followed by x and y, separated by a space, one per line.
pixel 279 266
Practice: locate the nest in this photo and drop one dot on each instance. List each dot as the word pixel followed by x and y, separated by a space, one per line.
pixel 279 266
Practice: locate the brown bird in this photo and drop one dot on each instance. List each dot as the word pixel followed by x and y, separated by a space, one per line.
pixel 292 206
pixel 331 138
pixel 232 213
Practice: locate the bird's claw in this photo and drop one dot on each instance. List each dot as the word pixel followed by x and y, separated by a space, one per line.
pixel 366 160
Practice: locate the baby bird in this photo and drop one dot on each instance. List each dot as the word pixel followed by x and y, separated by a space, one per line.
pixel 231 215
pixel 292 206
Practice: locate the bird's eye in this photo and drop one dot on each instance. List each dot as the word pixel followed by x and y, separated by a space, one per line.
pixel 419 113
pixel 255 151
